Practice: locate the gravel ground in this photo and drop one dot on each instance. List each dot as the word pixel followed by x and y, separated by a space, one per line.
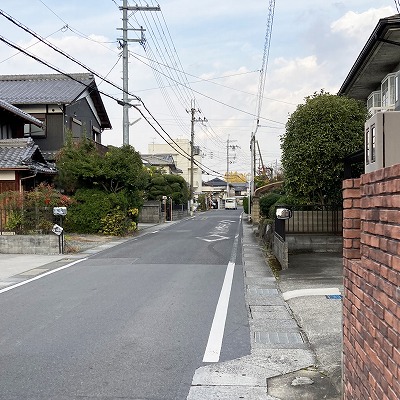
pixel 75 243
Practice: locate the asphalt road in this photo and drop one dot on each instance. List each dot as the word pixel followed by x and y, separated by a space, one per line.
pixel 132 322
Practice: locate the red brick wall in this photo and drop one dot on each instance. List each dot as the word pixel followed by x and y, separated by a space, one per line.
pixel 371 305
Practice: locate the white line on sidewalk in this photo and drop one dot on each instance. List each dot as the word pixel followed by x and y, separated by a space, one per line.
pixel 41 276
pixel 309 292
pixel 214 344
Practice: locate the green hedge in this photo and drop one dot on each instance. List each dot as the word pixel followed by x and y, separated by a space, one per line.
pixel 96 211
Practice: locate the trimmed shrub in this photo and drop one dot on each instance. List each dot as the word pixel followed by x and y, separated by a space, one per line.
pixel 246 205
pixel 267 201
pixel 96 211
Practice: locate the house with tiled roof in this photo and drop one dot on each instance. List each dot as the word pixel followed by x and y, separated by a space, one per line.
pixel 374 80
pixel 61 103
pixel 165 162
pixel 371 225
pixel 22 165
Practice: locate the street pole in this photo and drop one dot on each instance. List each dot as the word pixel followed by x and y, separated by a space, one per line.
pixel 192 121
pixel 191 158
pixel 125 109
pixel 228 147
pixel 227 167
pixel 252 151
pixel 125 55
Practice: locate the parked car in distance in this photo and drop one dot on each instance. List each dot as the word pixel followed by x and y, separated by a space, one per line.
pixel 230 203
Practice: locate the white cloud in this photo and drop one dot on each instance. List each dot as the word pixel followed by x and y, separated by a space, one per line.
pixel 358 25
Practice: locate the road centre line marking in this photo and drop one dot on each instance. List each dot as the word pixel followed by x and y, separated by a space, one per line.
pixel 41 276
pixel 214 343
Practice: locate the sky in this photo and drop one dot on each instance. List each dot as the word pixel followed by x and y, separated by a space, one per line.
pixel 206 55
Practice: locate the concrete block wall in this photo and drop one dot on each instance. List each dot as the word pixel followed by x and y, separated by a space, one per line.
pixel 29 244
pixel 281 252
pixel 151 213
pixel 371 312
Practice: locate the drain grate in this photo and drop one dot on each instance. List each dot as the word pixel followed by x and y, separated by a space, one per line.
pixel 262 291
pixel 278 338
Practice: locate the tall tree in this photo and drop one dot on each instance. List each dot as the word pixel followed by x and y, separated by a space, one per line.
pixel 80 166
pixel 108 188
pixel 319 134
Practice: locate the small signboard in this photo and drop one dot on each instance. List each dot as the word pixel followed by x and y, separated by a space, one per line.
pixel 62 211
pixel 57 230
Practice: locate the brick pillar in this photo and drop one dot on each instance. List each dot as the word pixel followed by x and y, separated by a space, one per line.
pixel 351 219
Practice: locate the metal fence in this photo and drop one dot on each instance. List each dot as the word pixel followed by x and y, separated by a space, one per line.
pixel 38 220
pixel 314 219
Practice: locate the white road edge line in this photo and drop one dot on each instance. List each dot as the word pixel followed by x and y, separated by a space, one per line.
pixel 41 276
pixel 309 292
pixel 214 343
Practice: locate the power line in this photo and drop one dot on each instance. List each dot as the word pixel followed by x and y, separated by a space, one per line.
pixel 221 102
pixel 47 43
pixel 73 29
pixel 13 45
pixel 34 44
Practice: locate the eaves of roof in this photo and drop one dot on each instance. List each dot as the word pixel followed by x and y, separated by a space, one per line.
pixel 52 89
pixel 19 113
pixel 23 154
pixel 379 57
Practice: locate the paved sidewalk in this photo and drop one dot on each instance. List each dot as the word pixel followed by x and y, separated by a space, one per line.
pixel 15 268
pixel 282 364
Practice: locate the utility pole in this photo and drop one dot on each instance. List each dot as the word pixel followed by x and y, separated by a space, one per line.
pixel 232 147
pixel 125 55
pixel 192 121
pixel 253 163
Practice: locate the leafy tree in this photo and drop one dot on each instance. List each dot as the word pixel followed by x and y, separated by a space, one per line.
pixel 318 135
pixel 77 164
pixel 246 205
pixel 173 186
pixel 267 201
pixel 108 188
pixel 80 166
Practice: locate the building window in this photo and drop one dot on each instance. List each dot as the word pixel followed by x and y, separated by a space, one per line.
pixel 36 131
pixel 96 134
pixel 374 102
pixel 373 144
pixel 367 146
pixel 388 87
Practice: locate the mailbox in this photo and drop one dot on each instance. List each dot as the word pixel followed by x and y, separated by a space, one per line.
pixel 62 211
pixel 283 213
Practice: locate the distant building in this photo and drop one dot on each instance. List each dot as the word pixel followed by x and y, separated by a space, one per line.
pixel 163 161
pixel 180 151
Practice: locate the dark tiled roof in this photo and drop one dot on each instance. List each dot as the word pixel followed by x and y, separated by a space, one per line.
pixel 52 89
pixel 23 154
pixel 215 182
pixel 43 89
pixel 161 160
pixel 19 113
